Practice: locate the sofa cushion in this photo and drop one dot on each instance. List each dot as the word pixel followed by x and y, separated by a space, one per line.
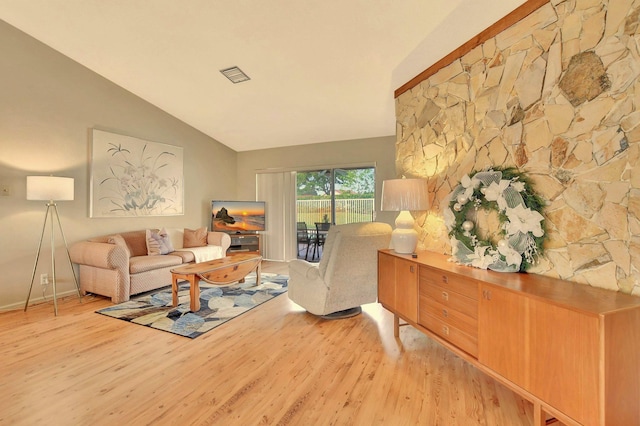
pixel 195 238
pixel 145 263
pixel 136 241
pixel 186 256
pixel 158 242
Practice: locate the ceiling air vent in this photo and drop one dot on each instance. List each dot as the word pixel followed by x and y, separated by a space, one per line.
pixel 235 74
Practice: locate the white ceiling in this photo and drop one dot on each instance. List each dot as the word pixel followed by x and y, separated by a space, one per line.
pixel 321 70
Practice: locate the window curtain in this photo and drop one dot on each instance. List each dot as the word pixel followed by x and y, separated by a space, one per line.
pixel 278 190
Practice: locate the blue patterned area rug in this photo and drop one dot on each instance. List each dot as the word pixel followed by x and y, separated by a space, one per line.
pixel 217 305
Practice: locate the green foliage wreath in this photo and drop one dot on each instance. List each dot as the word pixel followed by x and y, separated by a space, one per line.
pixel 510 194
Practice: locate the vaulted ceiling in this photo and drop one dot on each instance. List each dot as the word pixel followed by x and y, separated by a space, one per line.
pixel 320 70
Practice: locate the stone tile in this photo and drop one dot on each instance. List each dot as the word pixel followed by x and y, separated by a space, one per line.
pixel 559 148
pixel 619 252
pixel 622 108
pixel 607 144
pixel 489 48
pixel 559 117
pixel 544 37
pixel 611 172
pixel 511 72
pixel 584 79
pixel 494 75
pixel 603 276
pixel 529 85
pixel 634 203
pixel 584 197
pixel 497 152
pixel 554 69
pixel 613 218
pixel 617 192
pixel 610 50
pixel 512 135
pixel 630 122
pixel 592 31
pixel 616 13
pixel 537 134
pixel 571 27
pixel 622 74
pixel 582 255
pixel 561 263
pixel 540 18
pixel 476 54
pixel 572 227
pixel 446 73
pixel 589 116
pixel 583 151
pixel 546 186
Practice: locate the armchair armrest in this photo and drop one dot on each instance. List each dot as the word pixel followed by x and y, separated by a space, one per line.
pixel 221 239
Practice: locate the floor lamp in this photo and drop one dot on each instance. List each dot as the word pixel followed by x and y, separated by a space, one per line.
pixel 402 195
pixel 50 189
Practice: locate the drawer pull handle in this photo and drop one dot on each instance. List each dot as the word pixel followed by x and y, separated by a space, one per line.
pixel 445 279
pixel 445 330
pixel 445 295
pixel 445 313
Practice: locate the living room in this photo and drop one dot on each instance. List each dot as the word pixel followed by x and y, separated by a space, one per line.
pixel 592 184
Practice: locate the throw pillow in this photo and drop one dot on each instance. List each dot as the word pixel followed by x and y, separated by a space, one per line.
pixel 158 242
pixel 195 238
pixel 118 240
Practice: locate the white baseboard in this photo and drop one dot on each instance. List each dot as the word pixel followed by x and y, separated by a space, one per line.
pixel 36 300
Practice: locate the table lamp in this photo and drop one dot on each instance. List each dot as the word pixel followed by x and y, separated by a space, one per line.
pixel 51 189
pixel 402 195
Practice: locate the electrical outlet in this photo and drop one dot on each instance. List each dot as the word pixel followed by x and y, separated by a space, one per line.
pixel 44 279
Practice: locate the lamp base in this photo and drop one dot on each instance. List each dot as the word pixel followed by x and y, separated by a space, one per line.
pixel 404 238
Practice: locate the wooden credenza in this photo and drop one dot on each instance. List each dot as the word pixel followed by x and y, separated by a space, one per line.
pixel 571 349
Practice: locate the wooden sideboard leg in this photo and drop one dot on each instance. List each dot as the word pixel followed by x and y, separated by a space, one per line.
pixel 396 326
pixel 538 415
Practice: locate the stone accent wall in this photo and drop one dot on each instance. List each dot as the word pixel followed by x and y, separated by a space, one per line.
pixel 556 95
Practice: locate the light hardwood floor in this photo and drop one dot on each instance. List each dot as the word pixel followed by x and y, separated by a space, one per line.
pixel 275 365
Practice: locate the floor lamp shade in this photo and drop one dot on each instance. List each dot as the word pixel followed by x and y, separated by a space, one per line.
pixel 49 188
pixel 403 195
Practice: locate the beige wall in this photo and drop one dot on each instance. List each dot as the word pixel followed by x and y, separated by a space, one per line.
pixel 48 106
pixel 555 95
pixel 373 151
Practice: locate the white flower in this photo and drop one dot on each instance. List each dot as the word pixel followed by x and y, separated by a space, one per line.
pixel 495 191
pixel 449 218
pixel 479 259
pixel 511 256
pixel 524 220
pixel 454 246
pixel 518 186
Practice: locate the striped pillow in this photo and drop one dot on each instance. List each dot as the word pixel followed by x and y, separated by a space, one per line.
pixel 158 242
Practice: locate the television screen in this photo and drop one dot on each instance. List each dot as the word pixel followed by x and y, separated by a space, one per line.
pixel 237 216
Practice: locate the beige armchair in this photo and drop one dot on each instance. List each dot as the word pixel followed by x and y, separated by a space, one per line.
pixel 346 276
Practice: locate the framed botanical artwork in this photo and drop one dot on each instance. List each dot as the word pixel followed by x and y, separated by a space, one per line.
pixel 135 177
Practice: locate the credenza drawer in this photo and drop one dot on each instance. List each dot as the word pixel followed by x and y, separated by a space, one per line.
pixel 453 335
pixel 450 299
pixel 450 282
pixel 448 316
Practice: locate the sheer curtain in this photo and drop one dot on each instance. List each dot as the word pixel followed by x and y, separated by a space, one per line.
pixel 278 190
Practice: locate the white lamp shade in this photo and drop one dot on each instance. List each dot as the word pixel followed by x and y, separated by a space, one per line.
pixel 404 194
pixel 50 188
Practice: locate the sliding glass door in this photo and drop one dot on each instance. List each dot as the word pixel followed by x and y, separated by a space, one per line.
pixel 335 196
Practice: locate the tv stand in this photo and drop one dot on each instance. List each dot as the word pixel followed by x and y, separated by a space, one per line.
pixel 245 243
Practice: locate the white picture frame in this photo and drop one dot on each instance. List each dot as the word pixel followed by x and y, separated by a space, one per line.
pixel 132 177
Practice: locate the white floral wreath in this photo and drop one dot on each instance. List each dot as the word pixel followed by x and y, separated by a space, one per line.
pixel 522 225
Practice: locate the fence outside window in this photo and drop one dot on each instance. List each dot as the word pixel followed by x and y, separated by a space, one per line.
pixel 347 211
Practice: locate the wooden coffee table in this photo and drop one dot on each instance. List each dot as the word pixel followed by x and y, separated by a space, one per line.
pixel 226 271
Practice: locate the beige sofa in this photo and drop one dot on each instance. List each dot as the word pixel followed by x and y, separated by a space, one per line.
pixel 120 267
